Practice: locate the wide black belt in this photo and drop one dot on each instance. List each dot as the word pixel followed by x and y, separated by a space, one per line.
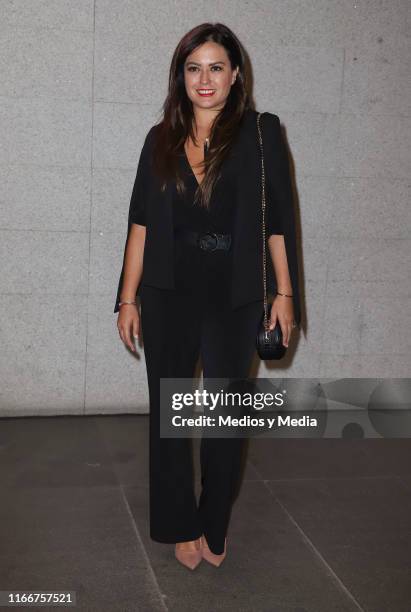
pixel 208 241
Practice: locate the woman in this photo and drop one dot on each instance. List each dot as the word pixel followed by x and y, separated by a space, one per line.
pixel 193 255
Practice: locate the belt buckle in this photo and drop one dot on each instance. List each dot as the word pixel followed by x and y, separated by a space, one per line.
pixel 204 243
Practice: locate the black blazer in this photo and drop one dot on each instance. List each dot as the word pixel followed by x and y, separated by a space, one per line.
pixel 153 208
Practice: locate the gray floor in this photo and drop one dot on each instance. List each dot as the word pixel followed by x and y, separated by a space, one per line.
pixel 319 525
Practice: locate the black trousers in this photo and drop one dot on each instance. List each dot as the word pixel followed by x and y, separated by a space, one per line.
pixel 177 328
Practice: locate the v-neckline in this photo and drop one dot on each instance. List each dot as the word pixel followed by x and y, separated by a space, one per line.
pixel 189 165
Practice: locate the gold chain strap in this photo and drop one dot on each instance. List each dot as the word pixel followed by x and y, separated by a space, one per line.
pixel 263 223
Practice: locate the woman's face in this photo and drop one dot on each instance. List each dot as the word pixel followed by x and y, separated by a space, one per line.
pixel 208 76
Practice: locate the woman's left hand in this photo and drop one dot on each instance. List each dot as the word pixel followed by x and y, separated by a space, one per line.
pixel 282 308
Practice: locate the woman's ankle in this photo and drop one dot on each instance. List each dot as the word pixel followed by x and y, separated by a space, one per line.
pixel 189 545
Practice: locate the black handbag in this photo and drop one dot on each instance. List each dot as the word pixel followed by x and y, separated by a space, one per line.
pixel 269 343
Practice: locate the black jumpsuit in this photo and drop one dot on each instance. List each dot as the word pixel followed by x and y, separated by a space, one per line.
pixel 195 319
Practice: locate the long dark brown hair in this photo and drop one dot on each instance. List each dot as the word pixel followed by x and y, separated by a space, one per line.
pixel 177 122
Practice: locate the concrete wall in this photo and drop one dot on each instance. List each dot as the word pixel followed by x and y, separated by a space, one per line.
pixel 81 83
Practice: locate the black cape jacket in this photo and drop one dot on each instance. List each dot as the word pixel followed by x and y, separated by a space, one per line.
pixel 155 208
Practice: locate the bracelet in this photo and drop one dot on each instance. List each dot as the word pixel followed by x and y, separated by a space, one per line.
pixel 125 302
pixel 284 294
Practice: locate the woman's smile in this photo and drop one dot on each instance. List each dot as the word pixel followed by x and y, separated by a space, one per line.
pixel 206 92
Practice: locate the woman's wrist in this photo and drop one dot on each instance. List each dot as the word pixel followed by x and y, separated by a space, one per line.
pixel 289 295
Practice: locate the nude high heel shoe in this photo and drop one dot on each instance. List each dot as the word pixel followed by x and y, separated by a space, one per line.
pixel 210 556
pixel 190 558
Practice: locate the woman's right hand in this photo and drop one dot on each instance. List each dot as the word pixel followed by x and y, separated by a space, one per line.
pixel 128 325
